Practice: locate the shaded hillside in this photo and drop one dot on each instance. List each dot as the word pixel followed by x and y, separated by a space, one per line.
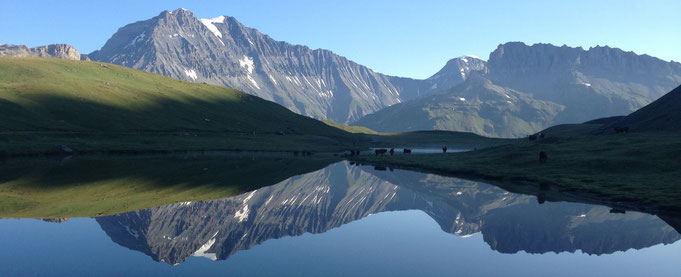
pixel 62 95
pixel 95 107
pixel 476 106
pixel 662 115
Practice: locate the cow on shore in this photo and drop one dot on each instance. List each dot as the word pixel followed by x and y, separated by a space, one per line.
pixel 406 151
pixel 380 151
pixel 444 149
pixel 621 130
pixel 543 157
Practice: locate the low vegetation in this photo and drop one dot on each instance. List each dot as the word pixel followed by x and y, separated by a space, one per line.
pixel 636 168
pixel 90 106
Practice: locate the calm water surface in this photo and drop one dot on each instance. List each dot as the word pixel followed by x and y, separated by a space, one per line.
pixel 346 220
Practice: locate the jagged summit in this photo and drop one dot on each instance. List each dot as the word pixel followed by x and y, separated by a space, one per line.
pixel 586 84
pixel 221 50
pixel 593 83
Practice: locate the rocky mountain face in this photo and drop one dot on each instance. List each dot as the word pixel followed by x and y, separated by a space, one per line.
pixel 593 83
pixel 476 106
pixel 314 203
pixel 316 83
pixel 59 51
pixel 455 72
pixel 588 84
pixel 319 201
pixel 556 84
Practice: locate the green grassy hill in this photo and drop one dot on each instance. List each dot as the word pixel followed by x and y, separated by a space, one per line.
pixel 351 128
pixel 53 94
pixel 663 114
pixel 476 106
pixel 54 99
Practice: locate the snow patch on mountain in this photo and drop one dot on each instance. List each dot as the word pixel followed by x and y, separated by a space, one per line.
pixel 201 252
pixel 191 74
pixel 242 214
pixel 137 39
pixel 210 24
pixel 247 63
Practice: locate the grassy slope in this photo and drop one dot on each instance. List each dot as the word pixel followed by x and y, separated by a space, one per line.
pixel 97 107
pixel 663 114
pixel 638 168
pixel 433 138
pixel 487 109
pixel 93 186
pixel 351 129
pixel 53 96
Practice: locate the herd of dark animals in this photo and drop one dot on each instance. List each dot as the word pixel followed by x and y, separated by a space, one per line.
pixel 535 136
pixel 543 156
pixel 621 130
pixel 382 151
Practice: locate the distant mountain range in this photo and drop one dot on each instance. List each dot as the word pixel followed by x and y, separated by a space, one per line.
pixel 60 51
pixel 549 84
pixel 477 105
pixel 325 199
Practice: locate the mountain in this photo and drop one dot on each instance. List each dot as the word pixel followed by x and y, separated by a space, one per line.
pixel 594 83
pixel 60 51
pixel 221 50
pixel 456 71
pixel 476 106
pixel 556 84
pixel 662 115
pixel 325 199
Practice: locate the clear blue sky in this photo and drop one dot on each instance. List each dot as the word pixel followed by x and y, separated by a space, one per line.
pixel 404 38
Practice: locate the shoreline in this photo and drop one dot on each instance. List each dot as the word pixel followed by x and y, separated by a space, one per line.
pixel 556 191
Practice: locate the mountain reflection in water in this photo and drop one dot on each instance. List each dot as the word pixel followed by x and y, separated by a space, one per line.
pixel 341 193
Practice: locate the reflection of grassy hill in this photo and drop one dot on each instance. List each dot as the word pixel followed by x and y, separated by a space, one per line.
pixel 49 98
pixel 640 168
pixel 92 186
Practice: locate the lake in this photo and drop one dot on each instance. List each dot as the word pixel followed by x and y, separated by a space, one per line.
pixel 263 216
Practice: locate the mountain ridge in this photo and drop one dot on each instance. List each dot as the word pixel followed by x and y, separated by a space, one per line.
pixel 588 84
pixel 317 83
